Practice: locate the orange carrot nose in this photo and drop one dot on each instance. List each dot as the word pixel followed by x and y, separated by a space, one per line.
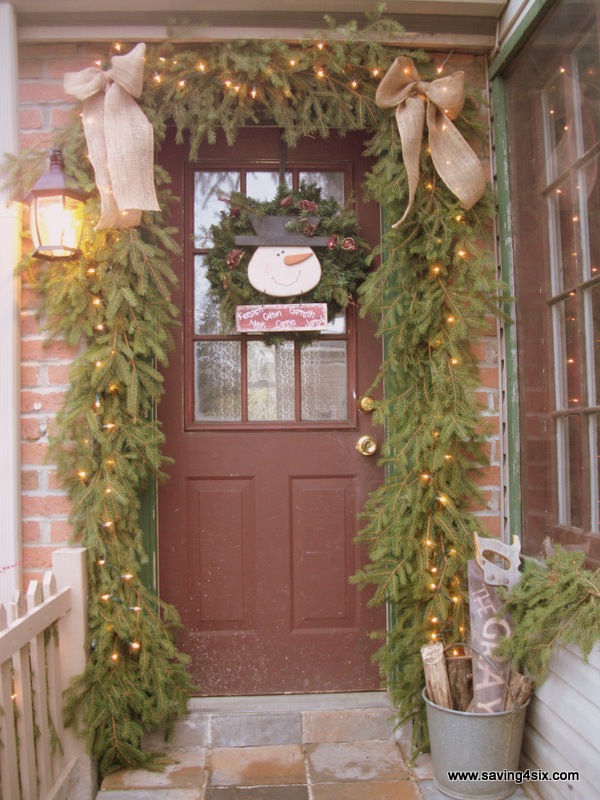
pixel 297 258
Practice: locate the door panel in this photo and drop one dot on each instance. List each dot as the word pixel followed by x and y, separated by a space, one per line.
pixel 258 519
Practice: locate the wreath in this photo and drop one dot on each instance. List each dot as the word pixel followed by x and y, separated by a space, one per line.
pixel 345 258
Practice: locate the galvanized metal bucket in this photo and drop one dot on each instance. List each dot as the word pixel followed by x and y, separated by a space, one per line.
pixel 475 743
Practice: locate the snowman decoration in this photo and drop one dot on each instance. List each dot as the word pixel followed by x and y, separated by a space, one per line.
pixel 283 264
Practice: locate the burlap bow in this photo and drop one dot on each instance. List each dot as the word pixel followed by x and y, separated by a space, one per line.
pixel 455 162
pixel 119 137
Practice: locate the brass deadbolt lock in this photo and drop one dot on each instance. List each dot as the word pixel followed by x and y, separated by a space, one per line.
pixel 366 446
pixel 366 404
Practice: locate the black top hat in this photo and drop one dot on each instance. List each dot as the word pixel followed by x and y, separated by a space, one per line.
pixel 272 231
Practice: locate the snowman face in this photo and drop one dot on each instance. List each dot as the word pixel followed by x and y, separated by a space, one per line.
pixel 284 271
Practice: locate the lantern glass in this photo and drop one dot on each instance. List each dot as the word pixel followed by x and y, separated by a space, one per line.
pixel 55 226
pixel 56 218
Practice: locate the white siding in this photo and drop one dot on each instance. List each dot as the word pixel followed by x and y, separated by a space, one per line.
pixel 563 727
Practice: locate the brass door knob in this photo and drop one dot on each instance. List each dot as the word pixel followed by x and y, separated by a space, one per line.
pixel 366 446
pixel 366 404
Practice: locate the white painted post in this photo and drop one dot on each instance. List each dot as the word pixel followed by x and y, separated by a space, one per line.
pixel 10 226
pixel 69 565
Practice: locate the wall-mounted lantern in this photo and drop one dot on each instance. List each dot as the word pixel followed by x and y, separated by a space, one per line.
pixel 54 216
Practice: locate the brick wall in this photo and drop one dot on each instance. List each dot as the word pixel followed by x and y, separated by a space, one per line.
pixel 44 107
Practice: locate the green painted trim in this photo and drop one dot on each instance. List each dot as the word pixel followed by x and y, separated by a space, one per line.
pixel 148 503
pixel 510 332
pixel 520 36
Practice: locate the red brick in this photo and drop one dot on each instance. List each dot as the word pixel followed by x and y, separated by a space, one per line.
pixel 32 68
pixel 488 377
pixel 30 299
pixel 54 481
pixel 37 557
pixel 46 51
pixel 58 374
pixel 489 476
pixel 50 403
pixel 33 453
pixel 30 429
pixel 60 531
pixel 32 140
pixel 58 67
pixel 30 325
pixel 60 118
pixel 30 479
pixel 31 531
pixel 490 525
pixel 38 350
pixel 30 375
pixel 30 118
pixel 51 505
pixel 42 92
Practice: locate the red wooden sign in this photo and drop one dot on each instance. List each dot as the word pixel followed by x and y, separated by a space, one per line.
pixel 281 317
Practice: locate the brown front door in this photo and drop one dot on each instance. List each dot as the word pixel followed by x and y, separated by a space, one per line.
pixel 258 519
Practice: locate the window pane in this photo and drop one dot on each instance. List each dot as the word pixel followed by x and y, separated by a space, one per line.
pixel 566 225
pixel 595 333
pixel 263 185
pixel 330 183
pixel 587 77
pixel 218 396
pixel 207 316
pixel 270 381
pixel 569 364
pixel 590 190
pixel 208 188
pixel 324 376
pixel 575 466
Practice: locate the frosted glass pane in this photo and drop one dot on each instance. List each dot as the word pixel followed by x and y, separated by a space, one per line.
pixel 270 381
pixel 324 381
pixel 218 375
pixel 208 188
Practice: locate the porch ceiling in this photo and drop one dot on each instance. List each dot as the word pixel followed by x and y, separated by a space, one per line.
pixel 469 24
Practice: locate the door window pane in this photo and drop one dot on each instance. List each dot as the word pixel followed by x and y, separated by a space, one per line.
pixel 324 380
pixel 575 465
pixel 569 364
pixel 207 316
pixel 330 183
pixel 263 185
pixel 208 188
pixel 218 382
pixel 270 381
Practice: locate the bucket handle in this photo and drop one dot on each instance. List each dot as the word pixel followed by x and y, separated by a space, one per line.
pixel 491 663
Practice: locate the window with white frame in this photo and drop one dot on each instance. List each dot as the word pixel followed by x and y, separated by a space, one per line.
pixel 553 122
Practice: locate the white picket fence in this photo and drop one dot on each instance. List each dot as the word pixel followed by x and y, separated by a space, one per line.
pixel 42 645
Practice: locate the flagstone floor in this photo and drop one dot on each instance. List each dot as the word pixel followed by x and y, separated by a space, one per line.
pixel 288 747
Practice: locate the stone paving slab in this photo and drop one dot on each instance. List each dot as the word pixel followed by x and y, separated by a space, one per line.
pixel 355 761
pixel 192 731
pixel 257 766
pixel 247 730
pixel 157 794
pixel 370 790
pixel 186 771
pixel 347 725
pixel 257 793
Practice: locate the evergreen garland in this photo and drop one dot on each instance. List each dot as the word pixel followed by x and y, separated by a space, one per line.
pixel 555 602
pixel 344 260
pixel 432 294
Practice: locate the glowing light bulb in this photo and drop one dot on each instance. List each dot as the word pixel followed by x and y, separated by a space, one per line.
pixel 181 83
pixel 426 476
pixel 375 72
pixel 135 645
pixel 202 67
pixel 127 576
pixel 454 361
pixel 432 586
pixel 434 620
pixel 82 474
pixel 320 73
pixel 96 301
pixel 105 597
pixel 101 562
pixel 428 542
pixel 253 93
pixel 157 78
pixel 98 363
pixel 320 45
pixel 107 524
pixel 450 319
pixel 114 657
